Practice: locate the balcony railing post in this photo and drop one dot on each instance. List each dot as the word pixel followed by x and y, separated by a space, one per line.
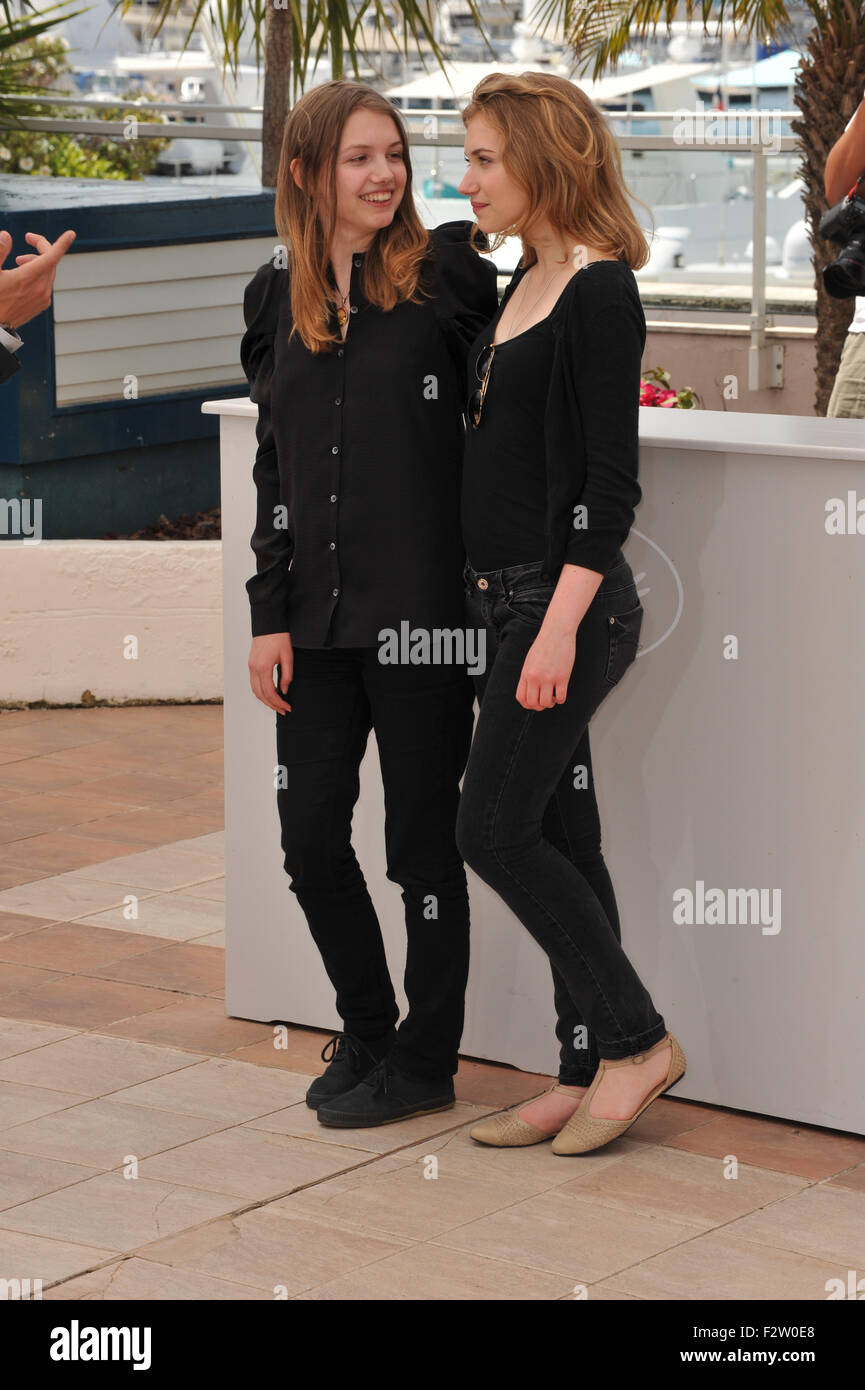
pixel 765 361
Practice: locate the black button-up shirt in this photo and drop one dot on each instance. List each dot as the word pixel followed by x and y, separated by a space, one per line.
pixel 359 457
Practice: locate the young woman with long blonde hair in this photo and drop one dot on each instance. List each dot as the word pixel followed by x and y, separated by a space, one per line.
pixel 548 497
pixel 355 351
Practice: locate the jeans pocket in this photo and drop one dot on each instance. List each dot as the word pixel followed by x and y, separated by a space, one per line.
pixel 623 630
pixel 530 602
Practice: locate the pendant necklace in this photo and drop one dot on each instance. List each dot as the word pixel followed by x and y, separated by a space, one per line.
pixel 342 313
pixel 536 302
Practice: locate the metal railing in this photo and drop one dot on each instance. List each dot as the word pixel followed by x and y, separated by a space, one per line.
pixel 764 359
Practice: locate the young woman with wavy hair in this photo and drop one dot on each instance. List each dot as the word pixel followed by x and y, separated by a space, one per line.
pixel 548 498
pixel 355 350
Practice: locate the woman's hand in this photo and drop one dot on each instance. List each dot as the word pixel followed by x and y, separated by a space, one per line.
pixel 264 654
pixel 547 669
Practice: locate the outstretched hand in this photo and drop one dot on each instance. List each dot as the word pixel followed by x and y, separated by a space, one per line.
pixel 26 291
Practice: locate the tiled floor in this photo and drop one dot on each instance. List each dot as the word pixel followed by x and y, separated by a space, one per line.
pixel 150 1147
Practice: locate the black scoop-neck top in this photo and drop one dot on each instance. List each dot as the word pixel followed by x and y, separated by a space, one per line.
pixel 559 429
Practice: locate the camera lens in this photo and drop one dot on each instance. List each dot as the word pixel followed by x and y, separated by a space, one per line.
pixel 845 277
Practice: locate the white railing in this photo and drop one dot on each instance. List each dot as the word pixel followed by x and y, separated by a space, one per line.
pixel 764 357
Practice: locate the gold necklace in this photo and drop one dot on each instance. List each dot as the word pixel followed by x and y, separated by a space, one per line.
pixel 342 313
pixel 512 334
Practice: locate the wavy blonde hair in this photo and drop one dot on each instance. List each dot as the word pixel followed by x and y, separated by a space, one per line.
pixel 305 221
pixel 560 150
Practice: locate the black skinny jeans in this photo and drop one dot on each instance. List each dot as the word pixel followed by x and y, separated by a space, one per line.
pixel 422 717
pixel 533 835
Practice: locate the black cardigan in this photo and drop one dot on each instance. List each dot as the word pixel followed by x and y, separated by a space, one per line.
pixel 591 418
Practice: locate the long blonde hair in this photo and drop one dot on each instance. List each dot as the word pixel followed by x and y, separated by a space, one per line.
pixel 305 220
pixel 560 150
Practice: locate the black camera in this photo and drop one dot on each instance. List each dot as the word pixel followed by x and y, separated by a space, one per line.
pixel 845 225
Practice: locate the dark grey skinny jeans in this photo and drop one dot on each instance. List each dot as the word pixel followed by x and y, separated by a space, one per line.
pixel 529 832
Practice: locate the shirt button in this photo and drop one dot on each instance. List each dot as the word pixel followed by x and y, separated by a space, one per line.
pixel 333 497
pixel 333 545
pixel 357 260
pixel 335 449
pixel 338 400
pixel 341 350
pixel 354 308
pixel 334 592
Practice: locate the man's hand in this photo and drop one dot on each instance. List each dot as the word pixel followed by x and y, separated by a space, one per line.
pixel 26 292
pixel 264 654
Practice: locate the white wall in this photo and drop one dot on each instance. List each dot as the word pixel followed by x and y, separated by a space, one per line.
pixel 71 609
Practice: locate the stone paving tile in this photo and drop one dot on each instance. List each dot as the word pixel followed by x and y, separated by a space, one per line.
pixel 680 1186
pixel 853 1178
pixel 172 916
pixel 16 978
pixel 251 1164
pixel 26 776
pixel 528 1170
pixel 27 1256
pixel 431 1272
pixel 159 869
pixel 828 1224
pixel 90 1063
pixel 221 1090
pixel 301 1121
pixel 180 966
pixel 14 875
pixel 84 1002
pixel 64 896
pixel 407 1202
pixel 112 1212
pixel 777 1144
pixel 133 1279
pixel 151 827
pixel 718 1265
pixel 196 1023
pixel 58 851
pixel 272 1252
pixel 75 947
pixel 213 843
pixel 45 736
pixel 24 1176
pixel 585 1243
pixel 21 1103
pixel 16 1036
pixel 102 1133
pixel 212 889
pixel 214 1110
pixel 215 939
pixel 299 1049
pixel 497 1085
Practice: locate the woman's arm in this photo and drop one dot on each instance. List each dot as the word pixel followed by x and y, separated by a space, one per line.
pixel 271 542
pixel 466 288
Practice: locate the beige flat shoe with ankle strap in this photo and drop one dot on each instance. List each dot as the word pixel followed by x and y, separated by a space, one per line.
pixel 508 1131
pixel 584 1132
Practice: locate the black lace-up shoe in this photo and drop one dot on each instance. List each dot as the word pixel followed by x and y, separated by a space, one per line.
pixel 385 1095
pixel 351 1059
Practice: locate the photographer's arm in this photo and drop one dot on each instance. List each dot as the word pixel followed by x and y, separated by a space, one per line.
pixel 846 159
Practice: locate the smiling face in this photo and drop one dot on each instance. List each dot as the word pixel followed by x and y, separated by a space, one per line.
pixel 369 176
pixel 497 200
